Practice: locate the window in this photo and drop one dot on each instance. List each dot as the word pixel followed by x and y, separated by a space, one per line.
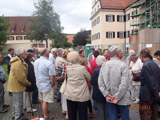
pixel 34 45
pixel 22 30
pixel 110 18
pixel 134 12
pixel 25 38
pixel 121 18
pixel 127 34
pixel 19 38
pixel 12 30
pixel 121 34
pixel 98 20
pixel 128 17
pixel 110 34
pixel 11 38
pixel 41 45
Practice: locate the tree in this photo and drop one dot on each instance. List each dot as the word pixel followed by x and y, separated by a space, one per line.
pixel 3 28
pixel 80 38
pixel 45 24
pixel 89 40
pixel 61 41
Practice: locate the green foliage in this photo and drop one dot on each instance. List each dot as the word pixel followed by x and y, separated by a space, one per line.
pixel 67 44
pixel 5 69
pixel 46 22
pixel 3 34
pixel 89 40
pixel 80 38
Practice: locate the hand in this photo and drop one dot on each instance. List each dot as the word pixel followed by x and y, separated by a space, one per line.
pixel 130 67
pixel 114 100
pixel 57 78
pixel 29 84
pixel 109 97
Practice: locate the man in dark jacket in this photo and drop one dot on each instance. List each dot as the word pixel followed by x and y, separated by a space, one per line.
pixel 149 77
pixel 8 58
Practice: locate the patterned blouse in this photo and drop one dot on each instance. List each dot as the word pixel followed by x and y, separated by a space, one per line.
pixel 62 70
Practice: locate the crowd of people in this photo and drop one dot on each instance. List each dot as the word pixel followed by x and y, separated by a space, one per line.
pixel 72 78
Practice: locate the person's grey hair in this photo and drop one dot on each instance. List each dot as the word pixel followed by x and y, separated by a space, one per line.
pixel 20 50
pixel 100 60
pixel 133 56
pixel 59 51
pixel 43 51
pixel 113 50
pixel 53 50
pixel 73 56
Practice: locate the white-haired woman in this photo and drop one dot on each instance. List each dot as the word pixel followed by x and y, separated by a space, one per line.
pixel 76 92
pixel 136 67
pixel 97 95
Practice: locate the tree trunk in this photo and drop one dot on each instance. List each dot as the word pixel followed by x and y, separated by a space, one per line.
pixel 46 43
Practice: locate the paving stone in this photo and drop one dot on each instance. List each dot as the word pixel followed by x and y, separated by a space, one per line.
pixel 54 109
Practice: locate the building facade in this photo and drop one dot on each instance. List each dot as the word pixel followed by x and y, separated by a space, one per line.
pixel 110 22
pixel 19 27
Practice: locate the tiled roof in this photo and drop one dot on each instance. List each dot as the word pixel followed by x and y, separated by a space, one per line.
pixel 116 4
pixel 18 23
pixel 70 38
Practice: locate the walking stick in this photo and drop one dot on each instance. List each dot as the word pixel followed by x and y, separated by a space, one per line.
pixel 31 104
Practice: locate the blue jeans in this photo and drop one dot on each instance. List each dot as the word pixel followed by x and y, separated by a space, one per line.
pixel 35 96
pixel 113 111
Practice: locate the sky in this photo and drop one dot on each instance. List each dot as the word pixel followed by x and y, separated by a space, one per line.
pixel 74 14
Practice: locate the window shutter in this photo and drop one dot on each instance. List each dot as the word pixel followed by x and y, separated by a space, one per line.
pixel 129 16
pixel 117 18
pixel 113 34
pixel 124 34
pixel 124 18
pixel 136 11
pixel 106 34
pixel 113 18
pixel 106 17
pixel 43 45
pixel 16 38
pixel 99 35
pixel 117 34
pixel 128 33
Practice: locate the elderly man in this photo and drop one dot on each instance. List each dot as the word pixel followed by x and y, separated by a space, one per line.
pixel 128 58
pixel 52 55
pixel 18 81
pixel 114 84
pixel 2 81
pixel 45 81
pixel 36 56
pixel 149 77
pixel 91 55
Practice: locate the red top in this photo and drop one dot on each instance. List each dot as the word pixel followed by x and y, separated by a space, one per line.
pixel 108 57
pixel 94 65
pixel 89 70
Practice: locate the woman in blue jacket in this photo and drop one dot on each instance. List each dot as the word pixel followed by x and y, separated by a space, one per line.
pixel 97 95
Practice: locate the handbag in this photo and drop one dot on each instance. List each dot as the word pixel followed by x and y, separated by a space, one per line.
pixel 136 76
pixel 63 87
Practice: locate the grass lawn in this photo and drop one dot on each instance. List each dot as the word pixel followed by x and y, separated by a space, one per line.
pixel 5 69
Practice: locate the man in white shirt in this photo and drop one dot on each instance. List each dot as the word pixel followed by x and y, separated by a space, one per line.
pixel 8 58
pixel 52 55
pixel 91 56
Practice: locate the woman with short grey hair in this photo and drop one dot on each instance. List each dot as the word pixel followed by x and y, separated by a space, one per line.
pixel 97 95
pixel 76 92
pixel 135 66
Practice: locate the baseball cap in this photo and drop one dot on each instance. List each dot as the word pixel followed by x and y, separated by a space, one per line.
pixel 30 50
pixel 92 49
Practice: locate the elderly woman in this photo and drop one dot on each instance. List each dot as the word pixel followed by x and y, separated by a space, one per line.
pixel 136 67
pixel 27 95
pixel 97 95
pixel 62 75
pixel 76 92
